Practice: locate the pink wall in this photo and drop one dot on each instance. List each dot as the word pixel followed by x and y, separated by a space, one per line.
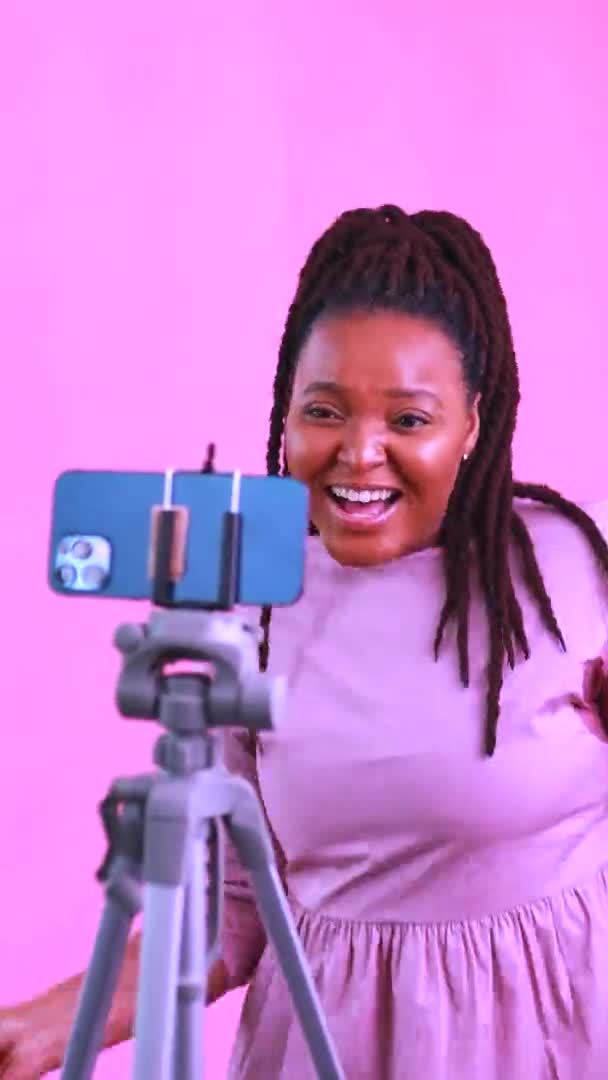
pixel 164 169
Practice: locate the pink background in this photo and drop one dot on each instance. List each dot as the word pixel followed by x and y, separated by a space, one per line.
pixel 165 168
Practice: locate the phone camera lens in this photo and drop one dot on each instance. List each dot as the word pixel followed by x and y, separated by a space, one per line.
pixel 82 549
pixel 93 577
pixel 66 575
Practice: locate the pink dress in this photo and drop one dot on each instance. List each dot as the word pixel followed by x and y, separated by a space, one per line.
pixel 454 909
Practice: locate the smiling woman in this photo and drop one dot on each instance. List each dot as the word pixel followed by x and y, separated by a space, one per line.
pixel 451 892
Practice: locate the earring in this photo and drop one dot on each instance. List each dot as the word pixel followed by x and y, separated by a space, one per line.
pixel 465 457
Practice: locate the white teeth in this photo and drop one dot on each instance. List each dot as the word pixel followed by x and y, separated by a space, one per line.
pixel 362 496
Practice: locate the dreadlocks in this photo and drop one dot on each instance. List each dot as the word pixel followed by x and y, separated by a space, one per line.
pixel 435 265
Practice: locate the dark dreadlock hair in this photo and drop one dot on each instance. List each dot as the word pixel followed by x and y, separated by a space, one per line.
pixel 436 265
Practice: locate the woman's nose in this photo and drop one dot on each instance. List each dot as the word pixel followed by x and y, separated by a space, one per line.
pixel 362 449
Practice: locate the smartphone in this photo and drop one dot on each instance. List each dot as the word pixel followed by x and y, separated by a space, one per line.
pixel 100 536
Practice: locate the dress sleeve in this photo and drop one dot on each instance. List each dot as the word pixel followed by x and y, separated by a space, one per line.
pixel 243 935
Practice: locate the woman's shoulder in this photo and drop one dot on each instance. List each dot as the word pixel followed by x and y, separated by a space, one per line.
pixel 546 521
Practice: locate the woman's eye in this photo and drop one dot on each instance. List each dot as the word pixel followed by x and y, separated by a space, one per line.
pixel 320 412
pixel 409 421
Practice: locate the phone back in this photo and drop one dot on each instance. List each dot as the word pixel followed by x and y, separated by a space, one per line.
pixel 100 535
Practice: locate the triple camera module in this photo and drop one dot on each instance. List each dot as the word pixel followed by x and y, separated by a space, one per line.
pixel 82 563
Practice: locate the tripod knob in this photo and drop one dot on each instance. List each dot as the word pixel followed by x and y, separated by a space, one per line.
pixel 129 637
pixel 262 702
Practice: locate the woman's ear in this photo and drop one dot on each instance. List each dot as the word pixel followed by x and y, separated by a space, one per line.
pixel 473 425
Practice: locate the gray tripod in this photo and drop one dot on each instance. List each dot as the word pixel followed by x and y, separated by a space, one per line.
pixel 165 834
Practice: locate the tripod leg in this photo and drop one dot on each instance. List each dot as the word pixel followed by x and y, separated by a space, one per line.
pixel 278 921
pixel 155 1014
pixel 170 827
pixel 86 1039
pixel 246 828
pixel 189 1037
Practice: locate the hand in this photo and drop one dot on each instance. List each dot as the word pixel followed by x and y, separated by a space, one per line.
pixel 25 1045
pixel 595 695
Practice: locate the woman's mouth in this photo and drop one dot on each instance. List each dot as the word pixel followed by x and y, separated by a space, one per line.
pixel 362 507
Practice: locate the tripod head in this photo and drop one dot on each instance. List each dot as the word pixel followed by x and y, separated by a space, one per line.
pixel 235 694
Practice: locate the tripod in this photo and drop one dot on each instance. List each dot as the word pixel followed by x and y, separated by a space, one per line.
pixel 163 832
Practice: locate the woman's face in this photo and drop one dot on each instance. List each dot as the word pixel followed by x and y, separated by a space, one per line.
pixel 377 427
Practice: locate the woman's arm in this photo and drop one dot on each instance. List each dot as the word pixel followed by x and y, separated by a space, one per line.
pixel 34 1035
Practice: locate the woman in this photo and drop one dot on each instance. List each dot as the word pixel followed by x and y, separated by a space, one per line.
pixel 438 794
